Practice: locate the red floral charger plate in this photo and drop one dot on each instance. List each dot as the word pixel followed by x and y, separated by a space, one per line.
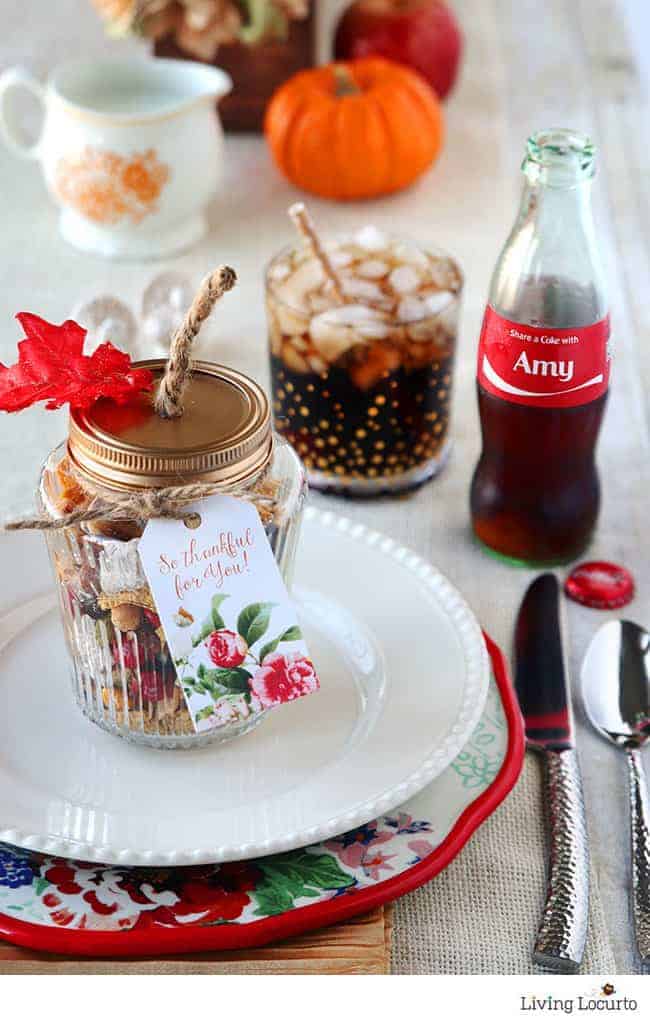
pixel 61 906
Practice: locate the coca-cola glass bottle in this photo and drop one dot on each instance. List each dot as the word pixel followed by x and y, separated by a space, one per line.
pixel 543 365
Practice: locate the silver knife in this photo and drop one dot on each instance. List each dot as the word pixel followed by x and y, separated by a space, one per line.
pixel 543 693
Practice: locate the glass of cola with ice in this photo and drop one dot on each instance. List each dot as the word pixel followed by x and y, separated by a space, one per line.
pixel 361 380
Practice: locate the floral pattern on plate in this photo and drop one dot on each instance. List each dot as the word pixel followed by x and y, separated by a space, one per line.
pixel 480 760
pixel 69 894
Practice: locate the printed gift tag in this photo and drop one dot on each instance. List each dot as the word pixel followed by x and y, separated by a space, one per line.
pixel 231 627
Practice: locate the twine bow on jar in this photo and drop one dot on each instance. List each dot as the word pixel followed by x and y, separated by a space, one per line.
pixel 170 503
pixel 106 504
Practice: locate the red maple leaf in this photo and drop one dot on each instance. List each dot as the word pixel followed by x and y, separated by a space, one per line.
pixel 51 366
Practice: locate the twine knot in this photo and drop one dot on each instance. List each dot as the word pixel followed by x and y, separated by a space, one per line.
pixel 169 398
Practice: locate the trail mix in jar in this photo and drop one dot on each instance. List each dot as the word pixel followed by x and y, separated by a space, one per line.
pixel 362 379
pixel 123 672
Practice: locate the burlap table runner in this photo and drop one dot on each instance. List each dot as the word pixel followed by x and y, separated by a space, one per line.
pixel 480 915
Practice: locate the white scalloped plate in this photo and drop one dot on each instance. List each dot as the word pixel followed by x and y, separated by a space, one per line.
pixel 404 676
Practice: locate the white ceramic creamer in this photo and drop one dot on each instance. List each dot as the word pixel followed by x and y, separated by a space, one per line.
pixel 131 150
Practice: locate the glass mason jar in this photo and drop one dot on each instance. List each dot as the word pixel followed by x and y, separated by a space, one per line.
pixel 361 389
pixel 123 675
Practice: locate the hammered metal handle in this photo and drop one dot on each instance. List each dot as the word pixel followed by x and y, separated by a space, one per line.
pixel 640 819
pixel 560 942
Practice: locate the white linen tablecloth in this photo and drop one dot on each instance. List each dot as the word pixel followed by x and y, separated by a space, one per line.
pixel 480 915
pixel 527 65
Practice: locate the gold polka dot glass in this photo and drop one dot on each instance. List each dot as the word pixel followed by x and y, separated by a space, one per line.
pixel 361 387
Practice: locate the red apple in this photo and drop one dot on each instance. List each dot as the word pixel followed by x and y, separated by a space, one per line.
pixel 423 34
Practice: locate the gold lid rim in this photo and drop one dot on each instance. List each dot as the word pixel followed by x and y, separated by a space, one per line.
pixel 105 460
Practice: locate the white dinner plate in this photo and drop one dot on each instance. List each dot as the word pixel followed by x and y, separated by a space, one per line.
pixel 404 676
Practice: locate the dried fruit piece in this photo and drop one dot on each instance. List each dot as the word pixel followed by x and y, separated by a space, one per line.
pixel 69 496
pixel 136 651
pixel 126 617
pixel 123 530
pixel 114 696
pixel 170 705
pixel 139 597
pixel 89 605
pixel 155 687
pixel 153 618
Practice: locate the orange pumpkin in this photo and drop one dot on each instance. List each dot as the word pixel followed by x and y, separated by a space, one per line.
pixel 354 130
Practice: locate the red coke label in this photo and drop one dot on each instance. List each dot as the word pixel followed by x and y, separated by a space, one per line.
pixel 543 366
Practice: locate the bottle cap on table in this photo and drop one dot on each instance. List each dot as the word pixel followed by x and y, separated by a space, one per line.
pixel 600 585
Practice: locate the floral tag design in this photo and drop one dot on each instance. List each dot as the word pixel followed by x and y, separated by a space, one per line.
pixel 227 616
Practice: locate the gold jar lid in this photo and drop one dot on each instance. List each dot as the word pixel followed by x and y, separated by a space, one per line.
pixel 223 436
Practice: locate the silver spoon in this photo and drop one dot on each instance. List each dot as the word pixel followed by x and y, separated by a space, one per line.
pixel 616 692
